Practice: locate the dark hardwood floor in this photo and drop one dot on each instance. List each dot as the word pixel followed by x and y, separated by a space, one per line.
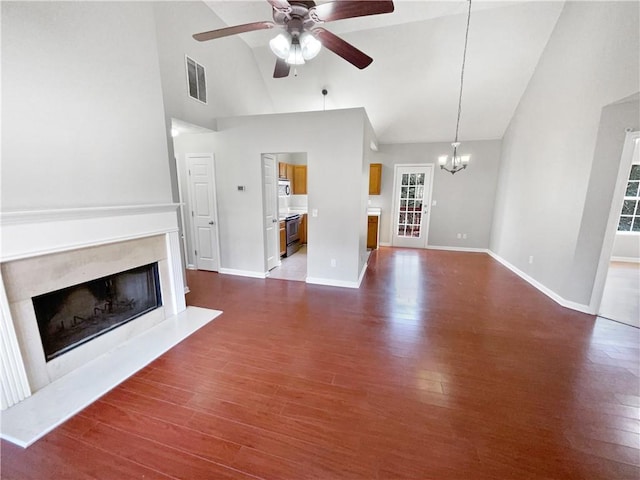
pixel 443 365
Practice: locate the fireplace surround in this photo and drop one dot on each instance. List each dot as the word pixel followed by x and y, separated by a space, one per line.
pixel 45 251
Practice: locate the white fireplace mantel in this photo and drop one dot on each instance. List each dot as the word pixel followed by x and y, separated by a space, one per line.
pixel 40 232
pixel 30 234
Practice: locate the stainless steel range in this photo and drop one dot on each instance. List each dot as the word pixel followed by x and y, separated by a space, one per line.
pixel 293 233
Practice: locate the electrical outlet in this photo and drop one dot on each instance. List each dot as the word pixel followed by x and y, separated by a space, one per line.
pixel 333 262
pixel 530 259
pixel 314 212
pixel 464 235
pixel 459 235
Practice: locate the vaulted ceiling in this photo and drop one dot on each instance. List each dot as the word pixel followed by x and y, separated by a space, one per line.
pixel 411 89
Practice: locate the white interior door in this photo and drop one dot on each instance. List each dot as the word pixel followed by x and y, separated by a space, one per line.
pixel 270 203
pixel 412 197
pixel 203 210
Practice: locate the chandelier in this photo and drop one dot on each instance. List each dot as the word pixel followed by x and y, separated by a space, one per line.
pixel 458 162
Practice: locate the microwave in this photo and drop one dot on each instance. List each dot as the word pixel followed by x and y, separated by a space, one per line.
pixel 284 188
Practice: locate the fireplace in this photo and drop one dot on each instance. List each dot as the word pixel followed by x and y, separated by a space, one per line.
pixel 78 283
pixel 71 316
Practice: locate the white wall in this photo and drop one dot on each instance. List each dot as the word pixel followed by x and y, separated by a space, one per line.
pixel 234 83
pixel 333 142
pixel 626 247
pixel 590 61
pixel 464 201
pixel 82 114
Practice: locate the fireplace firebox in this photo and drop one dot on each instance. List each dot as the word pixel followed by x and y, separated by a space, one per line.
pixel 69 317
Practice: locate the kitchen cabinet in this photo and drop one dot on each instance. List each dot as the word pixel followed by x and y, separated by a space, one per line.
pixel 375 178
pixel 282 170
pixel 285 170
pixel 303 229
pixel 372 231
pixel 299 179
pixel 283 238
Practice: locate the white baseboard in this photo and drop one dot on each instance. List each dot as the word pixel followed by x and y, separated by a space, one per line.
pixel 458 249
pixel 384 244
pixel 364 270
pixel 186 289
pixel 242 273
pixel 626 259
pixel 547 291
pixel 191 267
pixel 332 283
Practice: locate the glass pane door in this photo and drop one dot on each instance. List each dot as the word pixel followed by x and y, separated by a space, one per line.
pixel 410 206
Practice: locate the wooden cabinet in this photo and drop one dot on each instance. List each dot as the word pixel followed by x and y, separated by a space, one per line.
pixel 372 232
pixel 375 178
pixel 282 170
pixel 299 179
pixel 303 229
pixel 296 174
pixel 283 238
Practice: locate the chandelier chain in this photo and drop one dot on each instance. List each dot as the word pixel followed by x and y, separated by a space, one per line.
pixel 464 56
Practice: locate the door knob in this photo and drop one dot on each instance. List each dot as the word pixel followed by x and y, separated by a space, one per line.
pixel 273 220
pixel 212 222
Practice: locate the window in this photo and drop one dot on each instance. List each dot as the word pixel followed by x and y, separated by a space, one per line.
pixel 630 215
pixel 411 197
pixel 196 81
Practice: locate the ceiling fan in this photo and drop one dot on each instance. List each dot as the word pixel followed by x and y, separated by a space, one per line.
pixel 302 38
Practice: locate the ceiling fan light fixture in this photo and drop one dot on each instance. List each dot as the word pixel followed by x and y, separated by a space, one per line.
pixel 310 45
pixel 281 45
pixel 295 54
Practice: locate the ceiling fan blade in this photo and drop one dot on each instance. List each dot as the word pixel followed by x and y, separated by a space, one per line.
pixel 282 69
pixel 340 47
pixel 281 5
pixel 328 12
pixel 225 32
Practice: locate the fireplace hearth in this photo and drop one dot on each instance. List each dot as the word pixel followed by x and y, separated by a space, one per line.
pixel 71 316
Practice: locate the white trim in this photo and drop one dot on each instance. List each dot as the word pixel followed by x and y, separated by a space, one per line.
pixel 191 267
pixel 458 249
pixel 626 159
pixel 393 227
pixel 243 273
pixel 626 259
pixel 55 215
pixel 178 302
pixel 547 291
pixel 331 282
pixel 28 234
pixel 186 71
pixel 186 289
pixel 384 244
pixel 189 158
pixel 364 270
pixel 13 376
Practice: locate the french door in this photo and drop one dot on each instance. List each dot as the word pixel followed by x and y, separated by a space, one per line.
pixel 412 198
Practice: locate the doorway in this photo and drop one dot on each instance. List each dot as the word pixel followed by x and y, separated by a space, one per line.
pixel 291 234
pixel 621 291
pixel 202 208
pixel 193 148
pixel 411 200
